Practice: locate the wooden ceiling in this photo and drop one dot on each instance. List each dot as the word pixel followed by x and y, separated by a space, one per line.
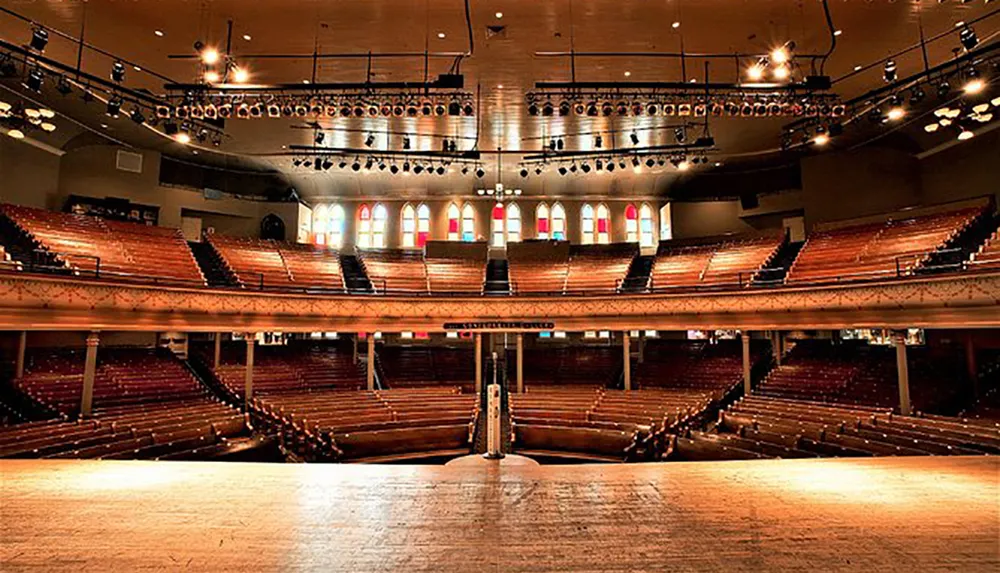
pixel 503 67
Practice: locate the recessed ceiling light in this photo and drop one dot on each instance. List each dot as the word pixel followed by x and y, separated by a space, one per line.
pixel 499 14
pixel 247 37
pixel 305 81
pixel 104 126
pixel 838 32
pixel 137 68
pixel 627 74
pixel 441 35
pixel 694 80
pixel 959 24
pixel 499 86
pixel 718 164
pixel 194 151
pixel 857 68
pixel 159 33
pixel 675 25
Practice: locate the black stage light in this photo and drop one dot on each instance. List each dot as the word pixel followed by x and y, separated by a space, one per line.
pixel 418 168
pixel 585 167
pixel 636 109
pixel 669 109
pixel 137 116
pixel 564 108
pixel 39 39
pixel 412 110
pixel 369 164
pixel 226 110
pixel 611 166
pixel 455 108
pixel 342 164
pixel 943 89
pixel 579 108
pixel 406 167
pixel 650 162
pixel 634 138
pixel 211 112
pixel 394 169
pixel 319 137
pixel 635 162
pixel 652 109
pixel 468 110
pixel 592 109
pixel 560 144
pixel 370 141
pixel 356 166
pixel 889 71
pixel 622 108
pixel 381 165
pixel 406 142
pixel 562 170
pixel 398 109
pixel 465 170
pixel 440 170
pixel 118 72
pixel 480 173
pixel 968 38
pixel 197 112
pixel 538 170
pixel 917 95
pixel 572 168
pixel 524 172
pixel 34 80
pixel 427 108
pixel 359 110
pixel 327 164
pixel 273 110
pixel 598 142
pixel 63 86
pixel 163 111
pixel 621 164
pixel 297 162
pixel 680 134
pixel 440 109
pixel 453 147
pixel 607 109
pixel 345 110
pixel 599 165
pixel 317 164
pixel 114 106
pixel 547 109
pixel 386 110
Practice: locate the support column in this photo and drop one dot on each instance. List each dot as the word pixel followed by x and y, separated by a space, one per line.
pixel 970 363
pixel 745 338
pixel 899 338
pixel 776 346
pixel 248 381
pixel 371 360
pixel 642 346
pixel 22 345
pixel 89 371
pixel 354 348
pixel 479 362
pixel 627 356
pixel 218 350
pixel 520 363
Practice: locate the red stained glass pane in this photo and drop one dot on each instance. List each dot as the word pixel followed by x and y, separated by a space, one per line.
pixel 602 225
pixel 630 212
pixel 421 239
pixel 543 225
pixel 452 225
pixel 498 212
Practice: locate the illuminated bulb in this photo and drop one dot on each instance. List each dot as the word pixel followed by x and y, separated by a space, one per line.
pixel 931 127
pixel 16 134
pixel 779 55
pixel 637 169
pixel 965 135
pixel 4 107
pixel 821 139
pixel 158 33
pixel 896 113
pixel 247 37
pixel 675 25
pixel 183 138
pixel 210 56
pixel 240 75
pixel 974 86
pixel 211 77
pixel 995 101
pixel 499 15
pixel 781 73
pixel 49 127
pixel 981 108
pixel 945 122
pixel 684 165
pixel 755 72
pixel 46 113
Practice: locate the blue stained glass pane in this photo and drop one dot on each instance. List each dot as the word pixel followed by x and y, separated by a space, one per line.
pixel 544 335
pixel 559 236
pixel 467 237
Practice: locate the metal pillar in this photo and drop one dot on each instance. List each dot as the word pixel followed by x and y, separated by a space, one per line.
pixel 479 362
pixel 248 388
pixel 371 360
pixel 89 372
pixel 22 345
pixel 899 338
pixel 627 357
pixel 218 350
pixel 745 338
pixel 520 363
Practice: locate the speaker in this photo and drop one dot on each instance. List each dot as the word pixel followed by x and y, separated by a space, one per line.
pixel 749 201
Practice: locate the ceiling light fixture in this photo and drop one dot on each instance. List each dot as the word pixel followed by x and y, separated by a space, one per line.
pixel 209 56
pixel 240 75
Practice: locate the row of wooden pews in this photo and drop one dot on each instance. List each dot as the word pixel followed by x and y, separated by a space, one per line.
pixel 376 426
pixel 538 267
pixel 568 366
pixel 128 251
pixel 288 369
pixel 599 268
pixel 411 366
pixel 146 406
pixel 399 271
pixel 879 249
pixel 765 427
pixel 988 256
pixel 718 262
pixel 456 267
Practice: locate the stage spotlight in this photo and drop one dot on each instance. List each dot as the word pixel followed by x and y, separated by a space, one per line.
pixel 320 136
pixel 532 109
pixel 440 109
pixel 564 108
pixel 684 109
pixel 356 166
pixel 359 110
pixel 538 170
pixel 973 86
pixel 39 39
pixel 684 165
pixel 579 108
pixel 34 80
pixel 782 73
pixel 63 86
pixel 562 170
pixel 585 167
pixel 680 134
pixel 394 169
pixel 327 164
pixel 373 110
pixel 652 109
pixel 611 166
pixel 197 112
pixel 669 109
pixel 755 73
pixel 369 164
pixel 342 164
pixel 370 140
pixel 782 54
pixel 547 109
pixel 406 142
pixel 209 56
pixel 297 162
pixel 137 116
pixel 225 110
pixel 968 38
pixel 114 107
pixel 917 95
pixel 427 108
pixel 634 138
pixel 455 108
pixel 598 142
pixel 418 168
pixel 599 165
pixel 480 173
pixel 650 162
pixel 465 170
pixel 622 108
pixel 412 110
pixel 821 138
pixel 635 162
pixel 621 164
pixel 440 170
pixel 965 134
pixel 524 172
pixel 896 113
pixel 273 110
pixel 592 109
pixel 256 110
pixel 240 75
pixel 183 137
pixel 573 168
pixel 211 112
pixel 889 71
pixel 381 165
pixel 468 110
pixel 607 109
pixel 406 167
pixel 560 144
pixel 118 72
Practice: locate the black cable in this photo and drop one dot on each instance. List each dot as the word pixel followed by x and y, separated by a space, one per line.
pixel 833 37
pixel 468 23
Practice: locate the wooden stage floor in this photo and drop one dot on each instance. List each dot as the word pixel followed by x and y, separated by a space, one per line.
pixel 887 514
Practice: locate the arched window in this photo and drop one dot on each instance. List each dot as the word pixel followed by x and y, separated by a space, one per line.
pixel 646 238
pixel 319 224
pixel 603 225
pixel 453 222
pixel 380 217
pixel 542 223
pixel 558 222
pixel 496 225
pixel 587 224
pixel 364 226
pixel 513 223
pixel 468 223
pixel 423 224
pixel 666 232
pixel 409 226
pixel 631 224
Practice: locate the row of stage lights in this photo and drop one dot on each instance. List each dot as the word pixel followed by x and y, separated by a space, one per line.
pixel 559 143
pixel 371 164
pixel 679 162
pixel 250 107
pixel 693 106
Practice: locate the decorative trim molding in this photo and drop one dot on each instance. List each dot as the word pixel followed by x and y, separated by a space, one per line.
pixel 32 302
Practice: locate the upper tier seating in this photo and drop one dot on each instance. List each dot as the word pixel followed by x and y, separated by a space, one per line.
pixel 729 261
pixel 6 262
pixel 415 366
pixel 455 267
pixel 278 263
pixel 762 427
pixel 599 267
pixel 877 250
pixel 988 256
pixel 145 405
pixel 312 265
pixel 395 270
pixel 538 266
pixel 288 368
pixel 590 366
pixel 127 249
pixel 859 374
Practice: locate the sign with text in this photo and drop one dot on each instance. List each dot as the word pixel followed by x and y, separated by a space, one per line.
pixel 500 325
